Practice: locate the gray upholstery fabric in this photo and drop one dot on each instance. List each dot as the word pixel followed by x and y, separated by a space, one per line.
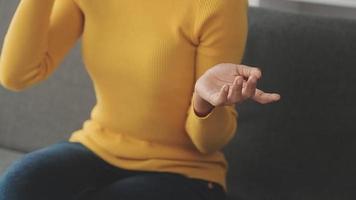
pixel 300 148
pixel 304 146
pixel 48 111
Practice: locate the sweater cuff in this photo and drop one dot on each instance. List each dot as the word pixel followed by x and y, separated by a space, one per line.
pixel 207 123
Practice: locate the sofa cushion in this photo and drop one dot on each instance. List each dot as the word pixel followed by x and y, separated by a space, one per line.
pixel 49 111
pixel 302 147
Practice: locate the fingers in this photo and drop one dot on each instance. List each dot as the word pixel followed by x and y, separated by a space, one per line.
pixel 241 90
pixel 264 98
pixel 235 94
pixel 250 89
pixel 224 90
pixel 247 71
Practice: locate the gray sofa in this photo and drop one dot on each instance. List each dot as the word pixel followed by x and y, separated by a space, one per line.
pixel 302 148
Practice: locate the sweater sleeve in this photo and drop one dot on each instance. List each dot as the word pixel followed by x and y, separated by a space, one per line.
pixel 221 33
pixel 39 36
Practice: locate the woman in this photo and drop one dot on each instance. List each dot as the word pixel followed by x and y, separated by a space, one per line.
pixel 167 79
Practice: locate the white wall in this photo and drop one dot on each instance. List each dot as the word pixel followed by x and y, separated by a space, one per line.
pixel 254 2
pixel 329 8
pixel 342 3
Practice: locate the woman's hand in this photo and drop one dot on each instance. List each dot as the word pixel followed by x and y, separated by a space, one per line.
pixel 228 84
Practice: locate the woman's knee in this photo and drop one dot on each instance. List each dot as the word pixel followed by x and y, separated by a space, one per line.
pixel 21 175
pixel 36 170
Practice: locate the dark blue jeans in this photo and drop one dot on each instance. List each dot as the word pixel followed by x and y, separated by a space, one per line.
pixel 69 171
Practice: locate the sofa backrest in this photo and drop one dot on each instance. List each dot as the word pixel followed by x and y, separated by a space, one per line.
pixel 299 148
pixel 304 146
pixel 49 111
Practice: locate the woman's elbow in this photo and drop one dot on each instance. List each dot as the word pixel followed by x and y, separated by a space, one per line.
pixel 12 80
pixel 11 84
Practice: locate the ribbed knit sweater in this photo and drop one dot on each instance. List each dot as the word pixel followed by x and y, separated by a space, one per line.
pixel 143 58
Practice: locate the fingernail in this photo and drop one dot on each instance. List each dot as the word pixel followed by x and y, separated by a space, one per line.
pixel 226 88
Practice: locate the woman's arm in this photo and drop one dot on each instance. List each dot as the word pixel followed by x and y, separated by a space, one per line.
pixel 39 36
pixel 221 31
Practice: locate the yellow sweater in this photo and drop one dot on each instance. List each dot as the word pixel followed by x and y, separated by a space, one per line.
pixel 143 58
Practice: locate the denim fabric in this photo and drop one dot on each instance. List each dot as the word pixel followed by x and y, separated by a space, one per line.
pixel 70 171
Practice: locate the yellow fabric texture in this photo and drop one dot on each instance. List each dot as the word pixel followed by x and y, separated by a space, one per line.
pixel 143 58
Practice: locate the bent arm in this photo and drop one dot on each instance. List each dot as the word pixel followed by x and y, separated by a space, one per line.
pixel 222 35
pixel 39 36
